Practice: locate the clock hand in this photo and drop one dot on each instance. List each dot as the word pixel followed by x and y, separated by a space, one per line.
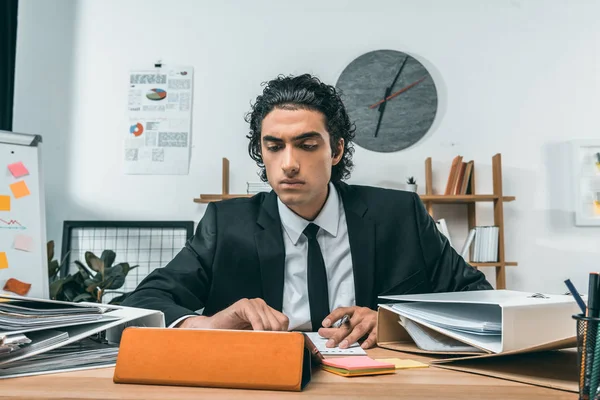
pixel 398 74
pixel 388 90
pixel 381 111
pixel 404 89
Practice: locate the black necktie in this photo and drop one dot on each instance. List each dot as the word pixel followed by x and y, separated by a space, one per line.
pixel 318 297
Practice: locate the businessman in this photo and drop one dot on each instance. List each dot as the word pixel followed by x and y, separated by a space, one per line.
pixel 314 249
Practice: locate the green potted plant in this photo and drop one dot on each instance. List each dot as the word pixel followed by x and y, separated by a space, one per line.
pixel 97 277
pixel 411 184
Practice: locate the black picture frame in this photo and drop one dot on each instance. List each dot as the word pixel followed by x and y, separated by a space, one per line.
pixel 68 227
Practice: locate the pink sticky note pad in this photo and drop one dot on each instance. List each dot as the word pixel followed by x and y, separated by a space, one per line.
pixel 356 362
pixel 18 169
pixel 23 242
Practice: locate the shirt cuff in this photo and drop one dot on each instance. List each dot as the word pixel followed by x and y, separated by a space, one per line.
pixel 181 319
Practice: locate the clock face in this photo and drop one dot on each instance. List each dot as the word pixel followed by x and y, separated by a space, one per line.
pixel 407 114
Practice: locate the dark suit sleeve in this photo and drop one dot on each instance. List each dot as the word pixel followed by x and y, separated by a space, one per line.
pixel 182 286
pixel 447 270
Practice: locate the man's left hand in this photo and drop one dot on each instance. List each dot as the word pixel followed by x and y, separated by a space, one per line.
pixel 362 322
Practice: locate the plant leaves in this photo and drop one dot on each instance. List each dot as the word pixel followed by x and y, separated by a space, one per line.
pixel 53 268
pixel 82 270
pixel 94 262
pixel 56 289
pixel 84 297
pixel 108 257
pixel 71 289
pixel 50 249
pixel 92 287
pixel 117 282
pixel 107 283
pixel 127 268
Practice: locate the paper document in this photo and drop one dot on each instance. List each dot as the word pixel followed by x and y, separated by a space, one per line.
pixel 320 344
pixel 476 318
pixel 158 139
pixel 430 340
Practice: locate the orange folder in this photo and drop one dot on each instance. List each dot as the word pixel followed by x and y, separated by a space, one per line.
pixel 213 358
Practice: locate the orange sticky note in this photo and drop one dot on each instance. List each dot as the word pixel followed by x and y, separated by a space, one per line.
pixel 4 203
pixel 16 286
pixel 3 260
pixel 18 169
pixel 19 189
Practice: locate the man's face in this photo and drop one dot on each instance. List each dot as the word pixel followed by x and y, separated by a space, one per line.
pixel 298 158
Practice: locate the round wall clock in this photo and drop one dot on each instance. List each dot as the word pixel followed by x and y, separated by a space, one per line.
pixel 391 97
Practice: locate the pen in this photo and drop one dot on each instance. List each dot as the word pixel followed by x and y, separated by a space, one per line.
pixel 593 296
pixel 345 319
pixel 576 295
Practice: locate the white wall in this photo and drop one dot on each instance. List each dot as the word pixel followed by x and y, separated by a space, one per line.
pixel 518 77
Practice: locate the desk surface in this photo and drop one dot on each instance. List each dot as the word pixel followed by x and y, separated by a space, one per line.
pixel 422 383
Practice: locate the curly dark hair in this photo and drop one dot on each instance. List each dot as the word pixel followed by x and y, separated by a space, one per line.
pixel 309 93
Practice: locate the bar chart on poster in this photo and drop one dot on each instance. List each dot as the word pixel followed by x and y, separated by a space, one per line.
pixel 23 253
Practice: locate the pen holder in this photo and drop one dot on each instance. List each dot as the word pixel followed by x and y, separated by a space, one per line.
pixel 588 356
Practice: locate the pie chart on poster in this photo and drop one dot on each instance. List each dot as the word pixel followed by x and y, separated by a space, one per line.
pixel 136 129
pixel 156 94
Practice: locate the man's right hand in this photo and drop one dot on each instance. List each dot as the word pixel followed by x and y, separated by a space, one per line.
pixel 252 314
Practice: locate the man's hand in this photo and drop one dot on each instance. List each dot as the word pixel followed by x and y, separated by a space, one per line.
pixel 362 322
pixel 244 314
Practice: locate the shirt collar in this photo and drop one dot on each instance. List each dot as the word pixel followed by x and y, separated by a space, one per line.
pixel 328 218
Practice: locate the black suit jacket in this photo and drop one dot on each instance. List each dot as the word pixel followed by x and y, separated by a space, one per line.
pixel 238 252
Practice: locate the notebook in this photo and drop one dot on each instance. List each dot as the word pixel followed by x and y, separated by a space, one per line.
pixel 357 366
pixel 320 345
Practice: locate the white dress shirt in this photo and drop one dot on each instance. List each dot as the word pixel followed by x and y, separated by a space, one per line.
pixel 335 247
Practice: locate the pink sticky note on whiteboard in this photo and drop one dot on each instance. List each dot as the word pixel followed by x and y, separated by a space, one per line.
pixel 23 242
pixel 18 169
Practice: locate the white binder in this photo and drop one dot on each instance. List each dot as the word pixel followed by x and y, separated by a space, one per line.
pixel 527 321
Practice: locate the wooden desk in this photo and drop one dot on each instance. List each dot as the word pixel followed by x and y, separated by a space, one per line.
pixel 422 383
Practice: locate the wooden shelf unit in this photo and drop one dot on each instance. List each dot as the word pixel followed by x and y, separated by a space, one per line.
pixel 207 198
pixel 429 199
pixel 498 199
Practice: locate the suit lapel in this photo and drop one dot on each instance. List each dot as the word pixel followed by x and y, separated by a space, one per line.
pixel 271 252
pixel 361 235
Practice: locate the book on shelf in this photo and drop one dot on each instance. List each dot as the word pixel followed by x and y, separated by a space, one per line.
pixel 257 187
pixel 484 240
pixel 443 228
pixel 459 178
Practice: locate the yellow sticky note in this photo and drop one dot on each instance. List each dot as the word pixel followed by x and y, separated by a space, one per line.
pixel 4 203
pixel 3 260
pixel 403 364
pixel 19 189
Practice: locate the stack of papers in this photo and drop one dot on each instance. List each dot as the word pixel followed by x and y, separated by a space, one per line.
pixel 41 336
pixel 20 315
pixel 85 353
pixel 483 319
pixel 430 340
pixel 438 326
pixel 357 366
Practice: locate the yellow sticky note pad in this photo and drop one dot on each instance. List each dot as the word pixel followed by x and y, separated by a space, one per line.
pixel 4 203
pixel 19 189
pixel 403 364
pixel 3 260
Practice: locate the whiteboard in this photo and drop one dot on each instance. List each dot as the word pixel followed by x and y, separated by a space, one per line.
pixel 23 225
